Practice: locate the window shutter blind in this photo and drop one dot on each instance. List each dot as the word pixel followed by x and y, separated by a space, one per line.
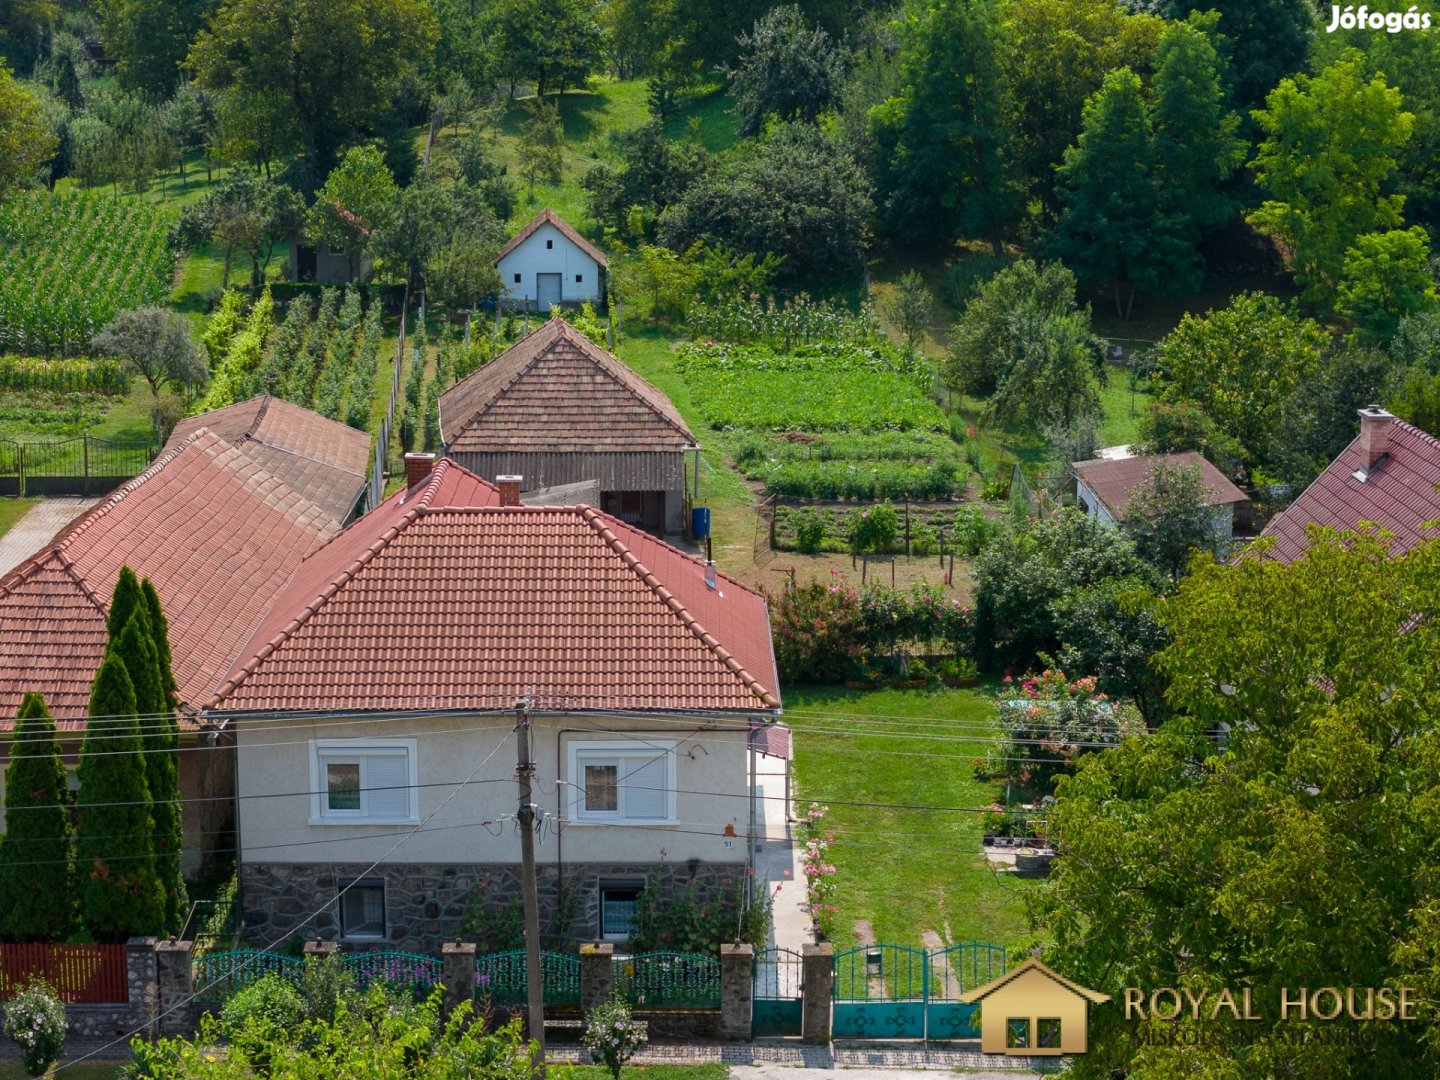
pixel 645 787
pixel 387 783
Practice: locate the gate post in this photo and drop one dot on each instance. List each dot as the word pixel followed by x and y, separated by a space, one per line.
pixel 85 483
pixel 458 973
pixel 597 973
pixel 177 986
pixel 737 990
pixel 818 989
pixel 315 949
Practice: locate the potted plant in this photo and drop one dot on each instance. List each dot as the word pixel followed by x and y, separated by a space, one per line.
pixel 959 672
pixel 1033 859
pixel 914 675
pixel 863 674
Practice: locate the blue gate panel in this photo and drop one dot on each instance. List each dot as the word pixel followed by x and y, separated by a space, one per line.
pixel 775 1017
pixel 952 1020
pixel 879 1020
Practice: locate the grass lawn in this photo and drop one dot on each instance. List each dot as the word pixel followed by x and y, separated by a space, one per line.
pixel 11 511
pixel 905 872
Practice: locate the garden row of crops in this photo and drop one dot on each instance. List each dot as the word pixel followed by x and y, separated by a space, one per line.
pixel 323 355
pixel 838 387
pixel 44 373
pixel 828 421
pixel 69 263
pixel 961 531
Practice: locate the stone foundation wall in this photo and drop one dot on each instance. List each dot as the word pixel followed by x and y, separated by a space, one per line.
pixel 425 903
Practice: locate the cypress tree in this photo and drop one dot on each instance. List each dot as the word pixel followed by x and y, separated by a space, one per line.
pixel 37 884
pixel 159 740
pixel 160 632
pixel 120 894
pixel 127 597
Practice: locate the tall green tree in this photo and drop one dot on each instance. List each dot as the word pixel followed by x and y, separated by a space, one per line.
pixel 310 75
pixel 1262 40
pixel 1114 231
pixel 940 142
pixel 37 875
pixel 1385 277
pixel 1328 162
pixel 159 740
pixel 554 44
pixel 149 39
pixel 786 68
pixel 160 633
pixel 353 204
pixel 1169 517
pixel 1197 147
pixel 1283 857
pixel 1053 56
pixel 26 143
pixel 542 144
pixel 1239 364
pixel 120 893
pixel 128 597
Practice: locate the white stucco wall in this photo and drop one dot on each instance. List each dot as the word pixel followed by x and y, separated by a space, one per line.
pixel 273 764
pixel 532 257
pixel 1091 502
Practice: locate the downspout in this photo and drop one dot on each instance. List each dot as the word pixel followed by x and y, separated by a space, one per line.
pixel 750 854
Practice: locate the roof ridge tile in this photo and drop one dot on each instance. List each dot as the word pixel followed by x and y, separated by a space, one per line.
pixel 259 417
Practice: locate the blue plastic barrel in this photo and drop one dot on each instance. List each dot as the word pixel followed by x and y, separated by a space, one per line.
pixel 699 522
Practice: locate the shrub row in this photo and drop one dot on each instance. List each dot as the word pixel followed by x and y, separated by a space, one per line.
pixel 851 480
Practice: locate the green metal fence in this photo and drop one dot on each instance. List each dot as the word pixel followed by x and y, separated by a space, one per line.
pixel 901 992
pixel 218 975
pixel 396 969
pixel 778 982
pixel 501 978
pixel 669 980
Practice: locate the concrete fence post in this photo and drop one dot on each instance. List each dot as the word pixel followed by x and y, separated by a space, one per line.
pixel 597 973
pixel 457 971
pixel 818 988
pixel 177 987
pixel 320 950
pixel 737 990
pixel 144 991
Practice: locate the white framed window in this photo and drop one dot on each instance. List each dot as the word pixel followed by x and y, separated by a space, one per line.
pixel 362 909
pixel 363 780
pixel 620 782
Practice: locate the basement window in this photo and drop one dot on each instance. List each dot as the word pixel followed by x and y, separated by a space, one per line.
pixel 617 908
pixel 362 909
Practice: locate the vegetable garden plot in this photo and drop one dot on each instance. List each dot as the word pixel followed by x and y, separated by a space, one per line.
pixel 68 263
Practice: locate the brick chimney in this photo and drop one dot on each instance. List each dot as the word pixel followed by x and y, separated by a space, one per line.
pixel 509 489
pixel 1375 426
pixel 417 468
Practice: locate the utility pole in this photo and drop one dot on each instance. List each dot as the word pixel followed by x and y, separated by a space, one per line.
pixel 525 773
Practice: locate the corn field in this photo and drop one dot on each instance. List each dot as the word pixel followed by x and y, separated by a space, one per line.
pixel 68 263
pixel 29 373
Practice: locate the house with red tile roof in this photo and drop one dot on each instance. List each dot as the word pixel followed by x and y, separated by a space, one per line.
pixel 218 535
pixel 374 705
pixel 557 409
pixel 322 459
pixel 1103 487
pixel 1389 475
pixel 548 264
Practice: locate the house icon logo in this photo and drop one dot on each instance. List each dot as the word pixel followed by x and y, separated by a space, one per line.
pixel 1030 1010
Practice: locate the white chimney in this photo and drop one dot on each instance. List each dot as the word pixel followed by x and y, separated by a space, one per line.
pixel 509 489
pixel 1375 427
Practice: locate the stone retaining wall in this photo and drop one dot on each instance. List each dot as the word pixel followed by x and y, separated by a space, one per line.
pixel 425 903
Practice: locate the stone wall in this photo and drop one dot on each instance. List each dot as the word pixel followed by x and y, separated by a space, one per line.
pixel 425 903
pixel 122 1018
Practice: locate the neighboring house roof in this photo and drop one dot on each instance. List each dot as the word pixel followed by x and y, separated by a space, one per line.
pixel 980 993
pixel 585 493
pixel 322 459
pixel 441 600
pixel 1114 480
pixel 557 391
pixel 216 533
pixel 1398 492
pixel 549 217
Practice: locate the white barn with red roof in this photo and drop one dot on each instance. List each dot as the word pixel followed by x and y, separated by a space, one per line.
pixel 548 264
pixel 373 711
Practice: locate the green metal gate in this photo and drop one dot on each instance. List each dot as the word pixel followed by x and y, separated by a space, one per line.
pixel 778 977
pixel 901 992
pixel 880 992
pixel 955 971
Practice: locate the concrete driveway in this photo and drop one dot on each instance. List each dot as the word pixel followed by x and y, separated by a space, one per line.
pixel 35 529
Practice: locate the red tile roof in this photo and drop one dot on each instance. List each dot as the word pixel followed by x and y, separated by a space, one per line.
pixel 443 600
pixel 1399 493
pixel 217 534
pixel 322 459
pixel 1114 480
pixel 548 216
pixel 557 391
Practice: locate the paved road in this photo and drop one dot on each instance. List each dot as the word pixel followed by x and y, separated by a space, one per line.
pixel 35 529
pixel 789 1059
